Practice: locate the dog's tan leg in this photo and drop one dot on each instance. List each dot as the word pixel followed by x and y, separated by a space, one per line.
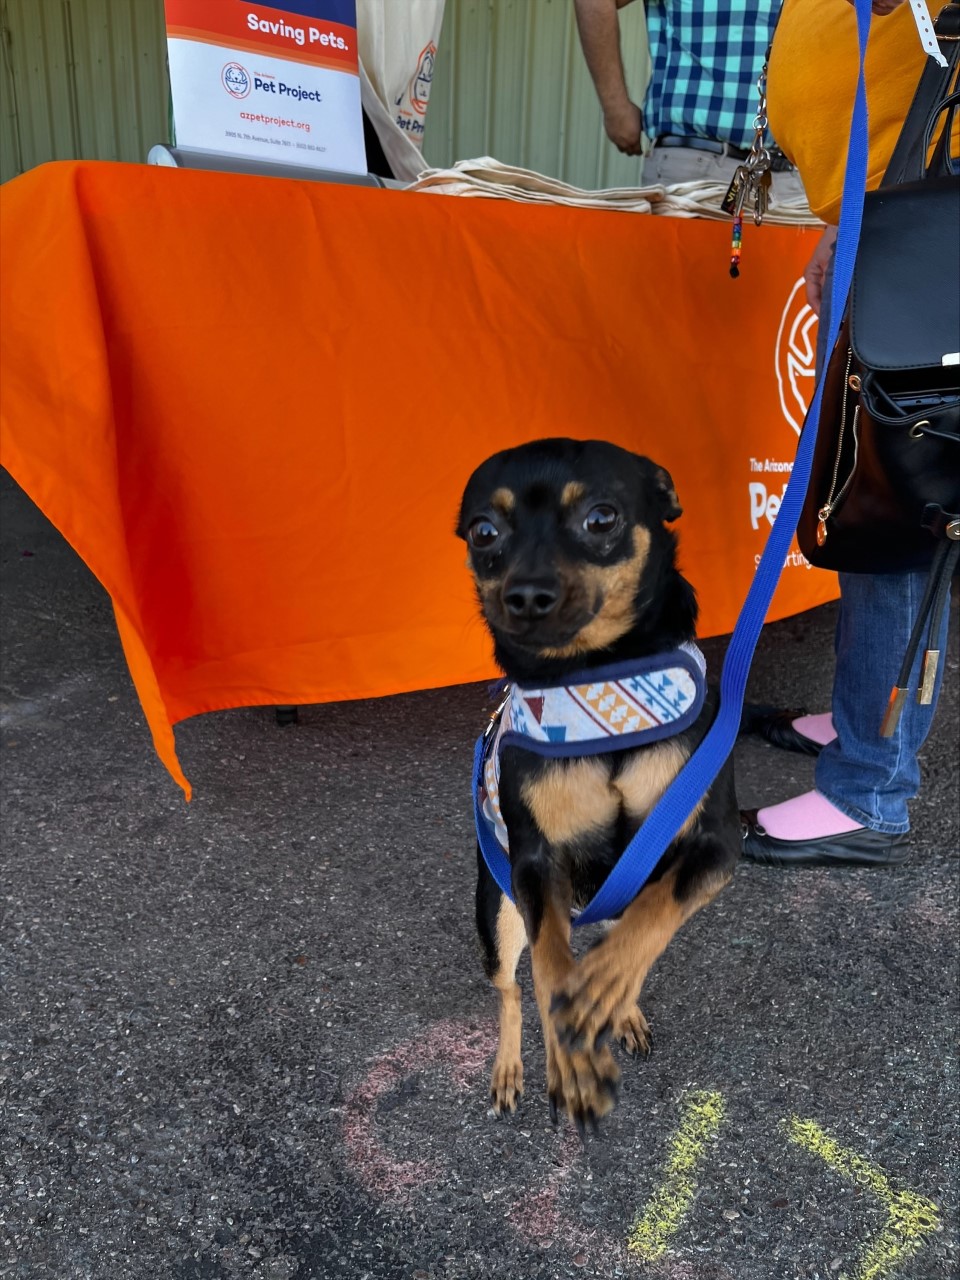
pixel 601 993
pixel 506 1079
pixel 585 1084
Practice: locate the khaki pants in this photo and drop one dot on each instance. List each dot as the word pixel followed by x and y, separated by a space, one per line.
pixel 667 165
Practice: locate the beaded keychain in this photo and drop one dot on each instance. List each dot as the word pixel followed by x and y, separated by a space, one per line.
pixel 736 243
pixel 752 179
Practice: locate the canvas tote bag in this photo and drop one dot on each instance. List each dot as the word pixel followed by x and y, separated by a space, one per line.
pixel 398 49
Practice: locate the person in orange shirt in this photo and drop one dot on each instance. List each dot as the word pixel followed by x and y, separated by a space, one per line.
pixel 857 812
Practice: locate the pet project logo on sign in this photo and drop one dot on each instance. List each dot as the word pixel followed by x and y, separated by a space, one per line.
pixel 270 84
pixel 235 79
pixel 238 83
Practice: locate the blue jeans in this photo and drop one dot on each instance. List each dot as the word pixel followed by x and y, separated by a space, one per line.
pixel 867 777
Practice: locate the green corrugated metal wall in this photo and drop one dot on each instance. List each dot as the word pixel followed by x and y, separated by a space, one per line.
pixel 86 79
pixel 81 79
pixel 511 82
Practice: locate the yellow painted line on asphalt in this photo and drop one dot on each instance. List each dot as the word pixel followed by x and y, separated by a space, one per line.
pixel 651 1233
pixel 910 1218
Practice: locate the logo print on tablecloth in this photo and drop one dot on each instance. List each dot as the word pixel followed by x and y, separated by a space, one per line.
pixel 795 356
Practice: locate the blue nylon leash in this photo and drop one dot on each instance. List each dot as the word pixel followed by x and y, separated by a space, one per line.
pixel 669 814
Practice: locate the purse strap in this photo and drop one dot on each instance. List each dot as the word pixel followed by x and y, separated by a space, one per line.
pixel 940 159
pixel 908 161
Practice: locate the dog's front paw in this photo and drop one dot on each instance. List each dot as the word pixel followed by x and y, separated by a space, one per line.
pixel 506 1084
pixel 582 1084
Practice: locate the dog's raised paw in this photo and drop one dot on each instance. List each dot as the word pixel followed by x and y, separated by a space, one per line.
pixel 585 1085
pixel 595 998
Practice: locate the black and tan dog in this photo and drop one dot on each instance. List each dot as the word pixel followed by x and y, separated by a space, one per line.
pixel 576 570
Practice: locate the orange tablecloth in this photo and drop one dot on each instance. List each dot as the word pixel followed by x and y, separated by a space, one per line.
pixel 251 405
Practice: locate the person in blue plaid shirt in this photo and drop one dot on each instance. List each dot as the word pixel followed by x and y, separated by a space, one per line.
pixel 698 112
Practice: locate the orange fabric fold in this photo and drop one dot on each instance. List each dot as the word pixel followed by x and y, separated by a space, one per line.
pixel 251 404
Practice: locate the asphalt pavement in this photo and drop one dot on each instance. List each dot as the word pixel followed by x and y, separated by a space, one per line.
pixel 250 1036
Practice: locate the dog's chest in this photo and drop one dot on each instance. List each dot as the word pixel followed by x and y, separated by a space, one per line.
pixel 590 758
pixel 572 799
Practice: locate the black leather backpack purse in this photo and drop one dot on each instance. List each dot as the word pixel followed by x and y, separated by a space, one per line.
pixel 884 493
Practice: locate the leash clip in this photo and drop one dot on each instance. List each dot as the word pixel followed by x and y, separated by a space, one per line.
pixel 496 714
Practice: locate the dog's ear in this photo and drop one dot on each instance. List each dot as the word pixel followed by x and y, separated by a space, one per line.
pixel 667 493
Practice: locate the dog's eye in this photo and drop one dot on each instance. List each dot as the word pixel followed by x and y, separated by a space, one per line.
pixel 482 534
pixel 601 518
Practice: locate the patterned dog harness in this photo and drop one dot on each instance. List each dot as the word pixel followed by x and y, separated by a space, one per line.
pixel 615 708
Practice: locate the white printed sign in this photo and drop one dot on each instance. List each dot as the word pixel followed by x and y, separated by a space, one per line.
pixel 267 83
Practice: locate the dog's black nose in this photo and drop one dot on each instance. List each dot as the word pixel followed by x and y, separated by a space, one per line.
pixel 531 599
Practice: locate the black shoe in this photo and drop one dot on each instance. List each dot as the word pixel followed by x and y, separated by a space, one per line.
pixel 861 848
pixel 776 727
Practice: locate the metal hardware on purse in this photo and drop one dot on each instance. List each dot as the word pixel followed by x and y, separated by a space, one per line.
pixel 834 498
